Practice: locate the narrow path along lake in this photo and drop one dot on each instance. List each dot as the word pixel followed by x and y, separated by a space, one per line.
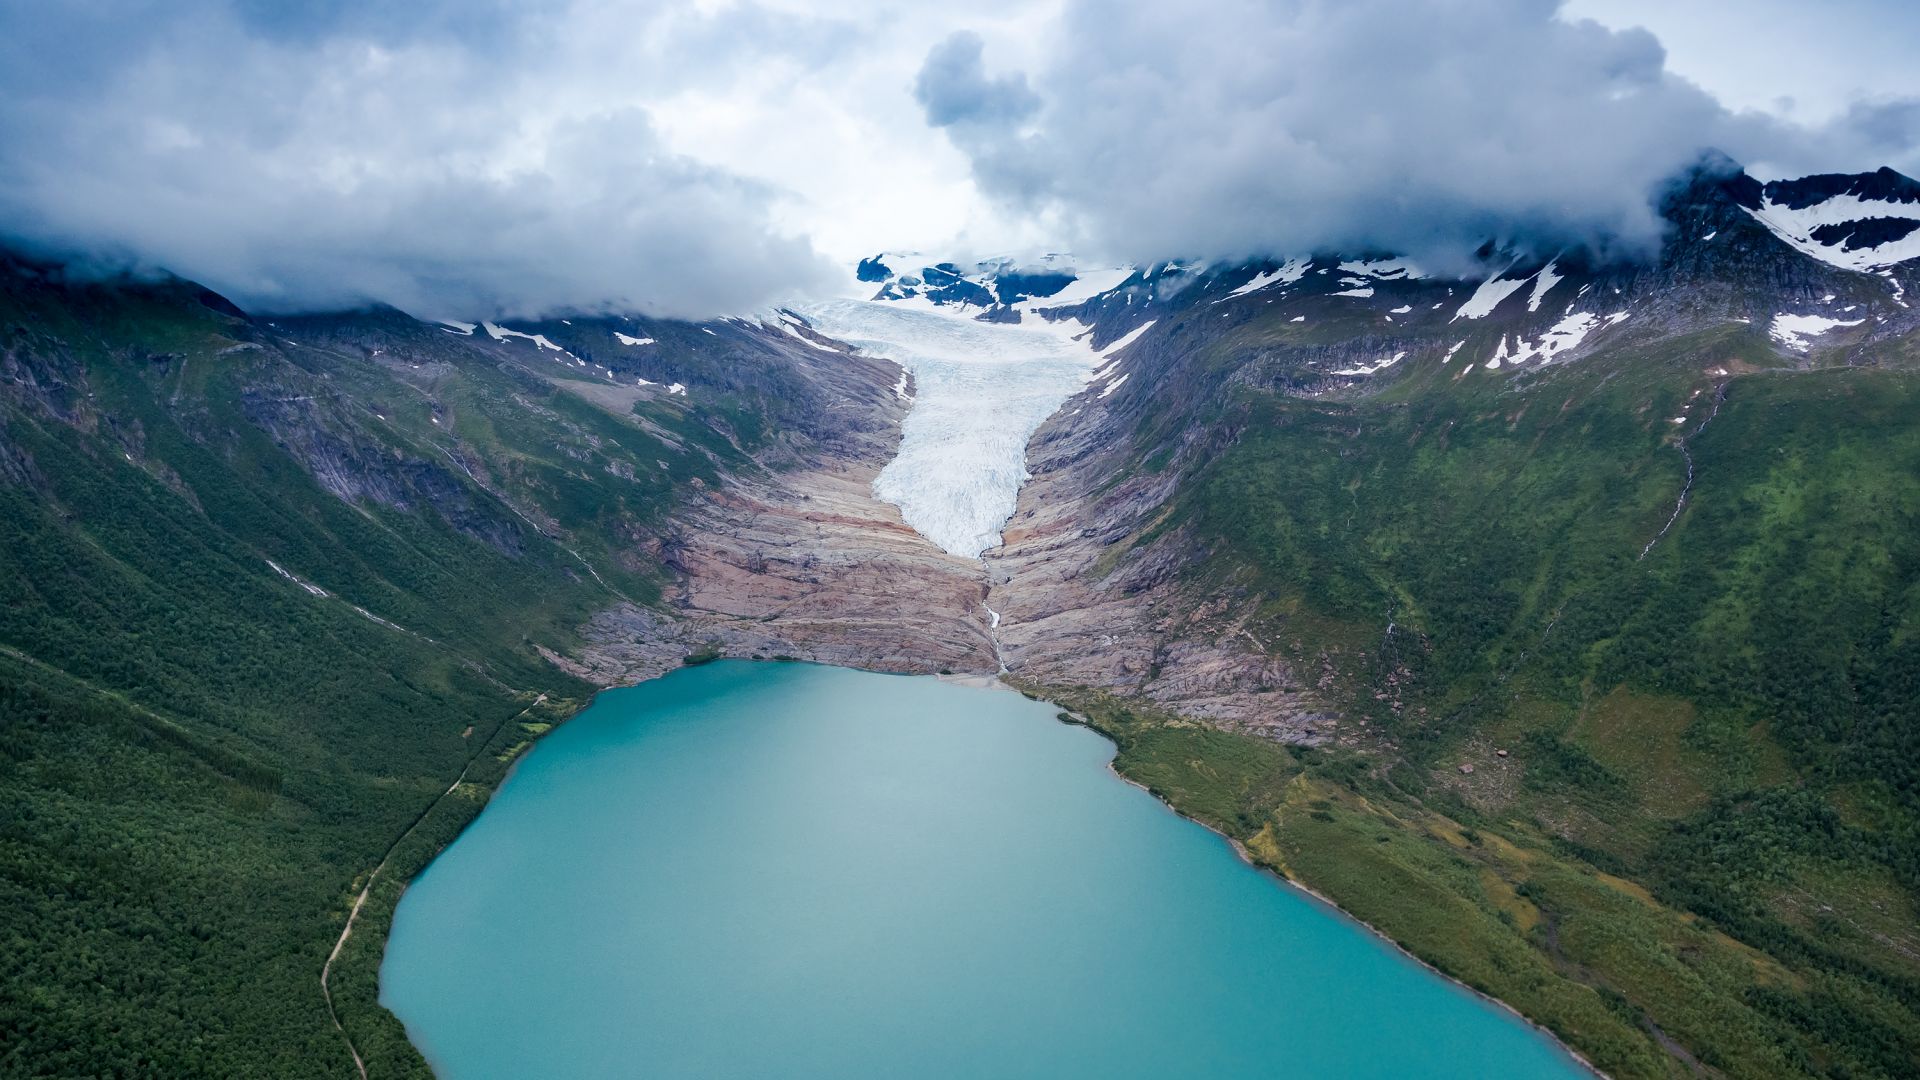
pixel 783 870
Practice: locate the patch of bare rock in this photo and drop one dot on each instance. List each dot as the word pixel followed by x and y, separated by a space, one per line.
pixel 1082 605
pixel 804 563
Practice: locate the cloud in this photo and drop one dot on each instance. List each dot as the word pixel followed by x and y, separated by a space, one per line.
pixel 953 87
pixel 468 160
pixel 1271 127
pixel 475 157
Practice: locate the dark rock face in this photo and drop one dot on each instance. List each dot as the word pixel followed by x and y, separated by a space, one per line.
pixel 1865 232
pixel 994 285
pixel 1881 185
pixel 962 292
pixel 1011 288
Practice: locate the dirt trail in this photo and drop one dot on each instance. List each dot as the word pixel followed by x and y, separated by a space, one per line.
pixel 326 969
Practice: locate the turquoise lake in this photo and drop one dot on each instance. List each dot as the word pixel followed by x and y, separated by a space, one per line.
pixel 783 870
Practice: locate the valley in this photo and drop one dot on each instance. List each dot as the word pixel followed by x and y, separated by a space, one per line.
pixel 1557 621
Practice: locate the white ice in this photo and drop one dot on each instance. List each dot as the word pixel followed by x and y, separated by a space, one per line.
pixel 980 390
pixel 625 339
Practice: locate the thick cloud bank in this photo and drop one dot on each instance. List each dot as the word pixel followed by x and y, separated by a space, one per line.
pixel 459 160
pixel 1247 127
pixel 468 158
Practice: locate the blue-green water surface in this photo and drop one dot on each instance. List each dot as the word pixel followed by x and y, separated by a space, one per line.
pixel 782 870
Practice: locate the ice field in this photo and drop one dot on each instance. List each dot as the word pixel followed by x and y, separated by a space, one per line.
pixel 980 391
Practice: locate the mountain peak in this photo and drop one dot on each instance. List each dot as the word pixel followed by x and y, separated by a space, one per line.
pixel 1856 221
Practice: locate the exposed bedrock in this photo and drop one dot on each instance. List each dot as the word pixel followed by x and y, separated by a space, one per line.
pixel 1082 604
pixel 804 562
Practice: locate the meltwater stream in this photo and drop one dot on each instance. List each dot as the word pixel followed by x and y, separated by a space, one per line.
pixel 981 390
pixel 781 870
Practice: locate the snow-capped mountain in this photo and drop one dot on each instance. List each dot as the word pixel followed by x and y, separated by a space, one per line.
pixel 1865 221
pixel 1812 263
pixel 1002 289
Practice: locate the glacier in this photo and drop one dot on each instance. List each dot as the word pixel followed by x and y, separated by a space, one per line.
pixel 980 391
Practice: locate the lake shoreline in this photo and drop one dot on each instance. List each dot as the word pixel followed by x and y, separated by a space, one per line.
pixel 1062 715
pixel 1069 717
pixel 1331 906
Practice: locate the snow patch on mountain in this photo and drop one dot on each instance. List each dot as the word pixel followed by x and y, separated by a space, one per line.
pixel 1543 282
pixel 625 339
pixel 1125 339
pixel 1087 284
pixel 790 326
pixel 1385 269
pixel 1797 332
pixel 1488 296
pixel 1369 369
pixel 501 333
pixel 1562 336
pixel 1286 274
pixel 1847 231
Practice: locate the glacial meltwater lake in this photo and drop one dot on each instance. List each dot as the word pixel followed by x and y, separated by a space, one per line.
pixel 783 870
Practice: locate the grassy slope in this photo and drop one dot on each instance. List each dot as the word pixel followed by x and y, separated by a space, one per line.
pixel 197 755
pixel 1704 835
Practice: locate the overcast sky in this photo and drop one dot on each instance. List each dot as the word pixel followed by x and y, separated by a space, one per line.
pixel 480 157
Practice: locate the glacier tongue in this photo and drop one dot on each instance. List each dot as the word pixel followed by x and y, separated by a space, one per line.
pixel 981 390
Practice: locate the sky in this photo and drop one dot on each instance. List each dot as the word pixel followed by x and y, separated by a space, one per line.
pixel 475 158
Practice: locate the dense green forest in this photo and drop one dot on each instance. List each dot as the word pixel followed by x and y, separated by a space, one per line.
pixel 263 602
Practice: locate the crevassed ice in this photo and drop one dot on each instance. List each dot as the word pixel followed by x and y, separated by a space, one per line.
pixel 980 391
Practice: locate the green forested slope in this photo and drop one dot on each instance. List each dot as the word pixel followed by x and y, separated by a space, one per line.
pixel 1700 849
pixel 201 757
